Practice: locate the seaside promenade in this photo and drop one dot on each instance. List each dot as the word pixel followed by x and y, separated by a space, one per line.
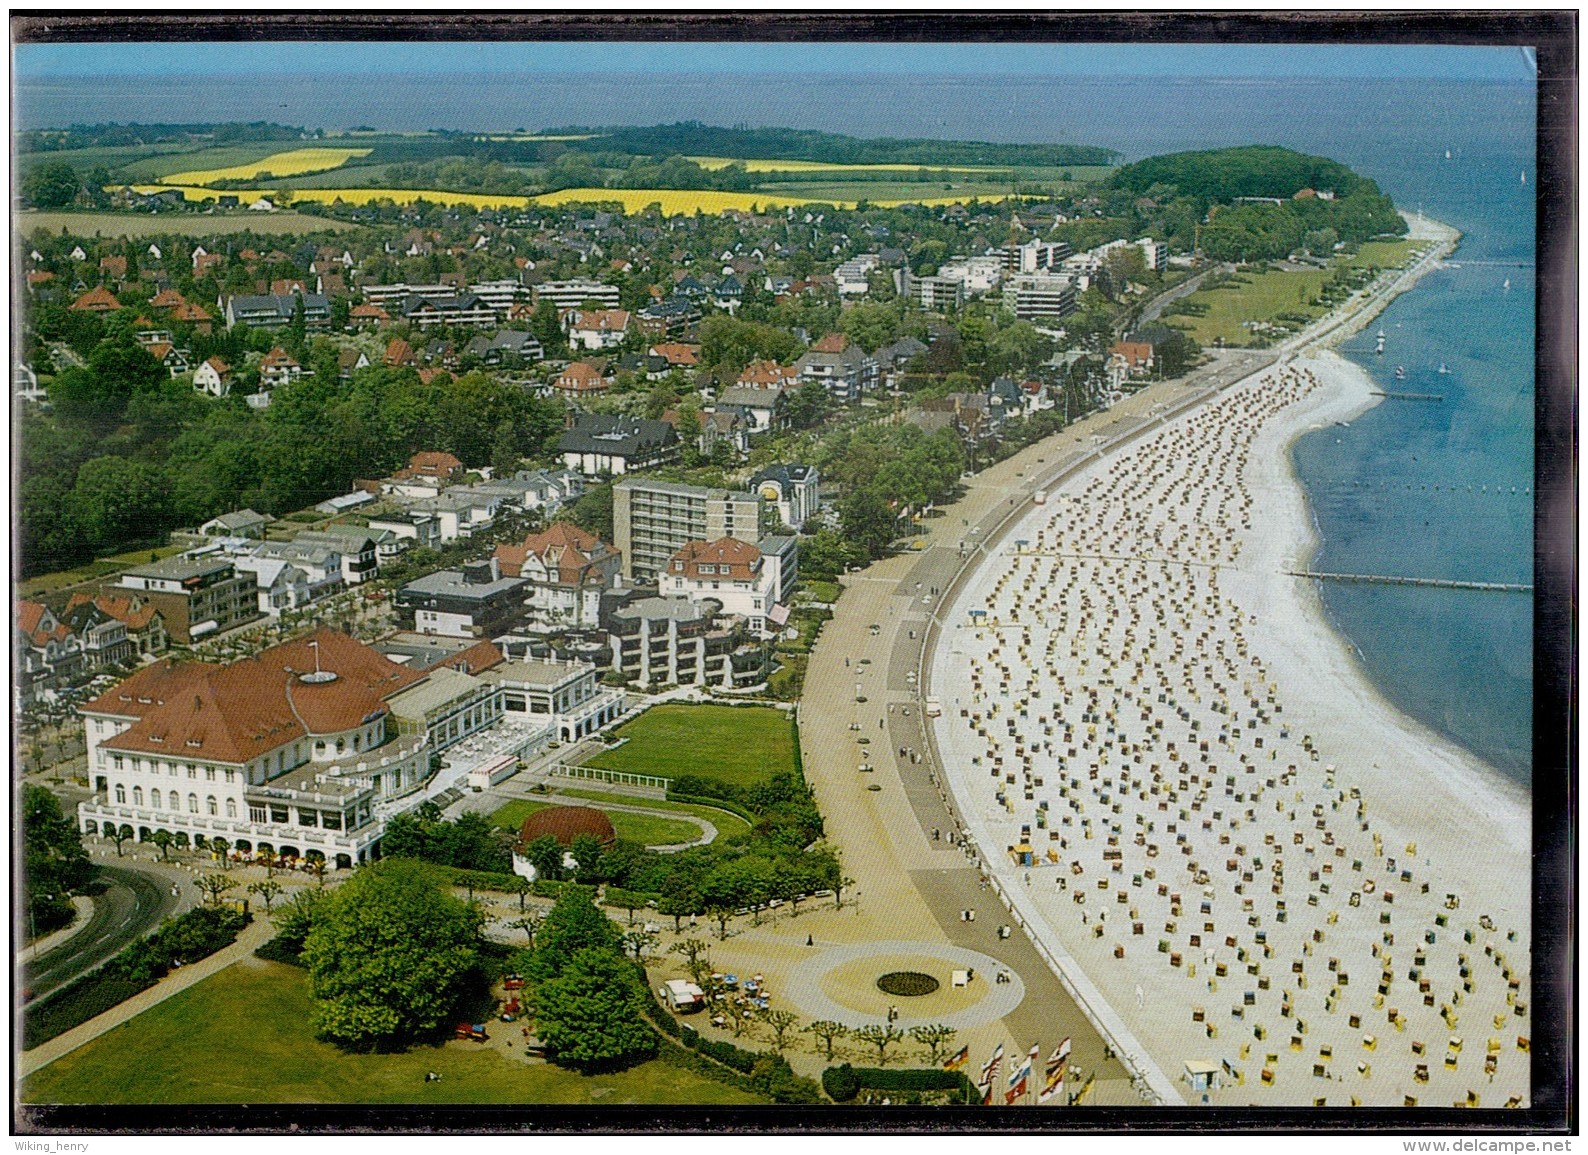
pixel 1195 761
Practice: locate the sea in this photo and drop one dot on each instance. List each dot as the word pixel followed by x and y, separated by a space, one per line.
pixel 1413 488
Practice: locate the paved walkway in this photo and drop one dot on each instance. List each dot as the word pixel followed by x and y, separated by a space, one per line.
pixel 82 911
pixel 996 1000
pixel 255 935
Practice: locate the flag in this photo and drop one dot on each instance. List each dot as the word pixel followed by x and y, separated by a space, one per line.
pixel 1054 1085
pixel 991 1067
pixel 1022 1073
pixel 1017 1092
pixel 986 1092
pixel 1060 1053
pixel 958 1059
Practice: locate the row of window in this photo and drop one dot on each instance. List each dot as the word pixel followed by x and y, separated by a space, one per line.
pixel 156 801
pixel 171 768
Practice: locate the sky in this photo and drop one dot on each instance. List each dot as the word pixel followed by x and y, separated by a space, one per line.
pixel 44 61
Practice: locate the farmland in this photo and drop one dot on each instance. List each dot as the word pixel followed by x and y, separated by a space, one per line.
pixel 294 163
pixel 194 1048
pixel 163 224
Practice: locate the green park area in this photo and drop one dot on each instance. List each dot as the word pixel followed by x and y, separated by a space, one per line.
pixel 243 1036
pixel 645 829
pixel 1262 303
pixel 737 745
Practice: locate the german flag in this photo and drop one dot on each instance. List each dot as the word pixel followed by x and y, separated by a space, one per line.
pixel 958 1059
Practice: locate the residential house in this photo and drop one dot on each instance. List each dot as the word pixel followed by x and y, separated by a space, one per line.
pixel 839 366
pixel 574 294
pixel 677 356
pixel 321 562
pixel 172 359
pixel 453 309
pixel 282 585
pixel 421 529
pixel 793 490
pixel 48 652
pixel 196 597
pixel 730 572
pixel 762 408
pixel 274 311
pixel 510 347
pixel 600 443
pixel 278 369
pixel 367 316
pixel 350 361
pixel 672 317
pixel 97 300
pixel 581 379
pixel 239 523
pixel 675 641
pixel 568 568
pixel 399 354
pixel 596 329
pixel 142 623
pixel 214 377
pixel 475 601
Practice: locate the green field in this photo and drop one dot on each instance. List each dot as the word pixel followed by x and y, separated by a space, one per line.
pixel 104 567
pixel 642 828
pixel 175 224
pixel 1269 293
pixel 739 745
pixel 242 1036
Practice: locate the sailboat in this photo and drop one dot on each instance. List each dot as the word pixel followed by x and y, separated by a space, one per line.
pixel 1524 177
pixel 1400 372
pixel 1507 285
pixel 1443 368
pixel 1447 154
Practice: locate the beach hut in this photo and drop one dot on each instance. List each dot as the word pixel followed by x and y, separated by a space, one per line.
pixel 1201 1075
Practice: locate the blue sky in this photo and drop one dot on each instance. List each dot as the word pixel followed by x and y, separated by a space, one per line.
pixel 43 61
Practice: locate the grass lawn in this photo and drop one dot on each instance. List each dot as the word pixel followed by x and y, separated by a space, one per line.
pixel 103 567
pixel 641 828
pixel 1270 293
pixel 242 1036
pixel 727 823
pixel 178 224
pixel 824 591
pixel 1385 254
pixel 740 745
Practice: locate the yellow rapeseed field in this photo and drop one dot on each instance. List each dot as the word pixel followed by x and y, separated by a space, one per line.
pixel 713 163
pixel 674 202
pixel 293 163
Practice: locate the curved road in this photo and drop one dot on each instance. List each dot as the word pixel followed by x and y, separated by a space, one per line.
pixel 133 903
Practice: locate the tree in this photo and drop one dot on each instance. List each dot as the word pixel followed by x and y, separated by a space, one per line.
pixel 388 956
pixel 590 1015
pixel 936 1038
pixel 696 961
pixel 828 1032
pixel 639 941
pixel 779 1023
pixel 214 885
pixel 55 861
pixel 521 884
pixel 545 855
pixel 51 185
pixel 164 839
pixel 268 890
pixel 575 923
pixel 529 924
pixel 586 852
pixel 867 520
pixel 118 835
pixel 839 883
pixel 881 1036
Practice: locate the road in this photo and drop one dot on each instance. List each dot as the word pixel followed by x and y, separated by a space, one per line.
pixel 134 902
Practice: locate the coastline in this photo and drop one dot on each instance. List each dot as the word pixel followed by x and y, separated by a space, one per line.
pixel 1420 789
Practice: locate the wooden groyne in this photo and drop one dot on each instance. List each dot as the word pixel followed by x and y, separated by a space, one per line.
pixel 1391 580
pixel 1410 396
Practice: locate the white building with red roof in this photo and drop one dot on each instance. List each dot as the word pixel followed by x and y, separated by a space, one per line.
pixel 728 571
pixel 294 752
pixel 569 569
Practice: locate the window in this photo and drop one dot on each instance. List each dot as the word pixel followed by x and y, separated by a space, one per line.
pixel 231 775
pixel 210 806
pixel 331 820
pixel 278 814
pixel 192 772
pixel 231 808
pixel 308 818
pixel 154 799
pixel 119 762
pixel 121 793
pixel 192 804
pixel 209 773
pixel 137 795
pixel 256 813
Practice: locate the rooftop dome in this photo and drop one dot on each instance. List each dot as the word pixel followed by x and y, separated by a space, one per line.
pixel 565 823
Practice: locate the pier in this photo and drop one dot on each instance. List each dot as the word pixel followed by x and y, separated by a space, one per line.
pixel 1410 396
pixel 1387 579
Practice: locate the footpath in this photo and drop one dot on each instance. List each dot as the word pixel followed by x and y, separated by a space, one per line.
pixel 254 935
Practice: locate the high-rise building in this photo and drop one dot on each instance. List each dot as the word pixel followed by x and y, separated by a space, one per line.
pixel 652 520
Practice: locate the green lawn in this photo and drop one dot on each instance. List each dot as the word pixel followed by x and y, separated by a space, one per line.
pixel 1270 293
pixel 824 591
pixel 727 823
pixel 242 1036
pixel 740 745
pixel 641 828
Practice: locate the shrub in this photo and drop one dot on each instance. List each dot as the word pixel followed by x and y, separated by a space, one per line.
pixel 546 888
pixel 840 1083
pixel 894 1079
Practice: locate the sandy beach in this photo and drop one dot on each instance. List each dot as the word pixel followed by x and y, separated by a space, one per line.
pixel 1234 842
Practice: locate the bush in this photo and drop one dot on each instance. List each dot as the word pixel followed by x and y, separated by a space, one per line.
pixel 840 1083
pixel 282 949
pixel 546 888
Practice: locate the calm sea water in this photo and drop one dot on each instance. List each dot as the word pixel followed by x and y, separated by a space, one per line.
pixel 1390 493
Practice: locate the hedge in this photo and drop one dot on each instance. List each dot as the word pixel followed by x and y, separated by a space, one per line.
pixel 843 1083
pixel 546 888
pixel 727 804
pixel 185 939
pixel 621 899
